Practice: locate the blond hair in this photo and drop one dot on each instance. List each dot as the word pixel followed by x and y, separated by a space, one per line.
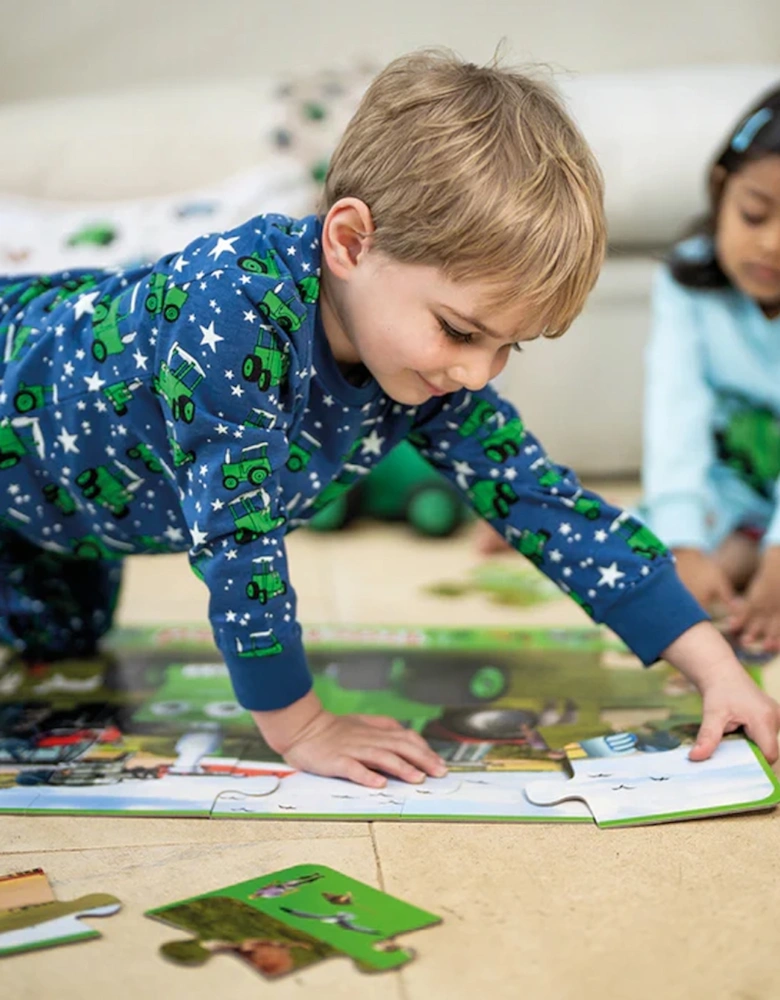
pixel 480 172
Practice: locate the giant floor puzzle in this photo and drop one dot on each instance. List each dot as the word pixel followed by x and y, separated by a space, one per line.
pixel 153 729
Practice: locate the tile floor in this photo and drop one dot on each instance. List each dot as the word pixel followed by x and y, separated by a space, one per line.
pixel 677 911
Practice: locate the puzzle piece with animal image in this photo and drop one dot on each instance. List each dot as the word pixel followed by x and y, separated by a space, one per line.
pixel 288 920
pixel 624 786
pixel 32 918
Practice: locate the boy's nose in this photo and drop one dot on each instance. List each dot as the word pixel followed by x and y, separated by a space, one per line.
pixel 473 375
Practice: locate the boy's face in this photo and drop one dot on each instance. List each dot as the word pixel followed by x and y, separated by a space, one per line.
pixel 417 332
pixel 748 230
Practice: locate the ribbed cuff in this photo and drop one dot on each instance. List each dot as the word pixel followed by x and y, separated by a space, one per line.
pixel 264 681
pixel 654 613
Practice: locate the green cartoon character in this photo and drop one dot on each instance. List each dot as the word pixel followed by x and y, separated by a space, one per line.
pixel 253 467
pixel 166 300
pixel 255 264
pixel 301 452
pixel 178 377
pixel 505 442
pixel 640 538
pixel 283 308
pixel 265 583
pixel 32 397
pixel 492 499
pixel 251 513
pixel 268 364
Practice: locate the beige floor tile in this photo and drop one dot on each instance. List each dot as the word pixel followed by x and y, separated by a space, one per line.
pixel 574 913
pixel 86 833
pixel 126 963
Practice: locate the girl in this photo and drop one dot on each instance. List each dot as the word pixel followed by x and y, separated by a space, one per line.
pixel 712 417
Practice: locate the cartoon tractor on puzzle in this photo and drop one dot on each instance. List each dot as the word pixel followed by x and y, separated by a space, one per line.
pixel 168 301
pixel 253 467
pixel 268 364
pixel 266 582
pixel 178 377
pixel 108 490
pixel 251 513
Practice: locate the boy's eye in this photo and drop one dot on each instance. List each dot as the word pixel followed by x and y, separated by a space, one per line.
pixel 457 335
pixel 752 220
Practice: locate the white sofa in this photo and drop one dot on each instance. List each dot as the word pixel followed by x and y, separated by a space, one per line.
pixel 653 131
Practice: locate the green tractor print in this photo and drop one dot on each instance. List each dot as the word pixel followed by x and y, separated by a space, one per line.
pixel 33 397
pixel 285 312
pixel 198 562
pixel 492 499
pixel 251 513
pixel 301 452
pixel 12 448
pixel 60 498
pixel 589 507
pixel 96 234
pixel 69 289
pixel 145 454
pixel 260 644
pixel 38 287
pixel 253 467
pixel 587 608
pixel 309 289
pixel 261 419
pixel 267 365
pixel 168 301
pixel 546 474
pixel 93 547
pixel 640 538
pixel 179 455
pixel 505 442
pixel 750 445
pixel 120 394
pixel 531 544
pixel 479 415
pixel 176 381
pixel 266 583
pixel 16 338
pixel 100 484
pixel 345 480
pixel 255 264
pixel 107 339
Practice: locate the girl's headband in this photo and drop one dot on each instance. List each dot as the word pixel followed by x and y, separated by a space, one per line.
pixel 750 129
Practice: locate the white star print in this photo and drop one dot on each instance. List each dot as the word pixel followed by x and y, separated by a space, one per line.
pixel 174 534
pixel 140 359
pixel 180 263
pixel 600 535
pixel 84 304
pixel 223 246
pixel 556 556
pixel 198 537
pixel 68 442
pixel 210 337
pixel 94 382
pixel 372 444
pixel 609 575
pixel 565 528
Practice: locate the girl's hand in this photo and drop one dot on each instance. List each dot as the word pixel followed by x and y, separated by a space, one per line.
pixel 730 697
pixel 756 619
pixel 357 747
pixel 705 579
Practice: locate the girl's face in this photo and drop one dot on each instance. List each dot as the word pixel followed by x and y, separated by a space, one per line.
pixel 747 235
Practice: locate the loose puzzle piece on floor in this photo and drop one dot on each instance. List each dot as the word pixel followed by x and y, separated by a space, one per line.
pixel 294 918
pixel 623 786
pixel 31 918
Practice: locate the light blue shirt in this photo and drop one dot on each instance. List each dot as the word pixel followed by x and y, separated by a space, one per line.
pixel 712 354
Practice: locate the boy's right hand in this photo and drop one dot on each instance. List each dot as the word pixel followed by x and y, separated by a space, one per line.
pixel 356 747
pixel 705 579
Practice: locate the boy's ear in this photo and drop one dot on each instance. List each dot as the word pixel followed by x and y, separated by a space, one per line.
pixel 346 235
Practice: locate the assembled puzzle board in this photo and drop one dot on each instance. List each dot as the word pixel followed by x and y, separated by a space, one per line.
pixel 153 729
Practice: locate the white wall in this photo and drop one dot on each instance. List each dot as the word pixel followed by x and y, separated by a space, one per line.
pixel 76 46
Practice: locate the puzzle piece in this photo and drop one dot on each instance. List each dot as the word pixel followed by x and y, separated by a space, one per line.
pixel 31 918
pixel 660 787
pixel 288 920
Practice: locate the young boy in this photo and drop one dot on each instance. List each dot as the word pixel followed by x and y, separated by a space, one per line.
pixel 215 400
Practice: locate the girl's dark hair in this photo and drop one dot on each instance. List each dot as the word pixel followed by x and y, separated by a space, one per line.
pixel 756 135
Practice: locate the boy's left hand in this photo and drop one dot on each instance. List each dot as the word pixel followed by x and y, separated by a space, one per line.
pixel 757 618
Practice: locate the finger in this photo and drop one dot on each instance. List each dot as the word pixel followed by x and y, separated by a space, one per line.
pixel 755 630
pixel 391 763
pixel 353 770
pixel 380 721
pixel 738 613
pixel 707 739
pixel 764 735
pixel 420 754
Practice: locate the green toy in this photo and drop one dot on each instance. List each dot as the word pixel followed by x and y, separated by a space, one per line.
pixel 403 486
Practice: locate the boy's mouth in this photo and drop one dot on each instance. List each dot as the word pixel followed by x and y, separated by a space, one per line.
pixel 433 389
